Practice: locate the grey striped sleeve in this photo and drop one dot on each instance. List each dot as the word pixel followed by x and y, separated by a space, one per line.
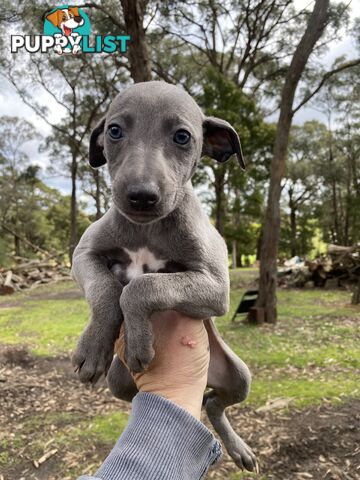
pixel 161 441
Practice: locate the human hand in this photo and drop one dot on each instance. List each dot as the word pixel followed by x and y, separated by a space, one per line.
pixel 180 366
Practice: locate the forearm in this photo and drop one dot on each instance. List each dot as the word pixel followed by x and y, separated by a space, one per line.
pixel 196 294
pixel 161 440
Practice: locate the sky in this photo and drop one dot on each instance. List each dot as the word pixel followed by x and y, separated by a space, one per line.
pixel 11 104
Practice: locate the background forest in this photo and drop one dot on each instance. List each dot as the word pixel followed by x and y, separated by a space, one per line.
pixel 233 57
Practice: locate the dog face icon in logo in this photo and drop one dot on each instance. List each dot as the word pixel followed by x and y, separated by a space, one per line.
pixel 67 25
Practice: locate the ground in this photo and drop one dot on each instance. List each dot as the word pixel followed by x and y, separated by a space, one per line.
pixel 301 418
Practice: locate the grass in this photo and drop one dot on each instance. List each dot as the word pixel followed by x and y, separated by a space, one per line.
pixel 62 428
pixel 47 326
pixel 104 428
pixel 311 354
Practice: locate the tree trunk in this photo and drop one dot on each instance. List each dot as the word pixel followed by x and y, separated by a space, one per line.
pixel 348 200
pixel 269 248
pixel 334 199
pixel 335 210
pixel 140 66
pixel 293 246
pixel 17 246
pixel 355 300
pixel 73 207
pixel 258 244
pixel 234 255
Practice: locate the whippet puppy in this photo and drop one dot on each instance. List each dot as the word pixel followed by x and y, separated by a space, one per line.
pixel 155 249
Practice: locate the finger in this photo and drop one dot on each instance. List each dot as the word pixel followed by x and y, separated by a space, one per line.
pixel 120 343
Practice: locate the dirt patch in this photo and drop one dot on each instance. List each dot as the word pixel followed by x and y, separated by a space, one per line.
pixel 19 356
pixel 15 355
pixel 42 401
pixel 320 442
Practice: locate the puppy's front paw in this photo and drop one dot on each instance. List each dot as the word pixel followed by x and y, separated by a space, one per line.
pixel 139 351
pixel 92 357
pixel 243 456
pixel 76 49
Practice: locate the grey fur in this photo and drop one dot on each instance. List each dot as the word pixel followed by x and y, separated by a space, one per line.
pixel 193 277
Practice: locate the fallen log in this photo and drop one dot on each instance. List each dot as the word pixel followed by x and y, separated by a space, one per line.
pixel 30 274
pixel 7 288
pixel 339 268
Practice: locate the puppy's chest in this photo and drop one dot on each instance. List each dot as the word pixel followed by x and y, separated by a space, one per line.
pixel 127 264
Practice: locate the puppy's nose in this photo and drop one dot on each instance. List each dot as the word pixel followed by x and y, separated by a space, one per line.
pixel 143 197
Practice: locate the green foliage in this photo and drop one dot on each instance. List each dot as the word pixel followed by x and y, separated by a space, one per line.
pixel 321 192
pixel 238 201
pixel 32 211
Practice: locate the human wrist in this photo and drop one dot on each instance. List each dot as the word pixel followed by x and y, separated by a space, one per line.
pixel 187 399
pixel 180 369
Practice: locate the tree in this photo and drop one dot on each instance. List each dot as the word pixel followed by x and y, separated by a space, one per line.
pixel 32 214
pixel 80 106
pixel 96 185
pixel 269 250
pixel 233 36
pixel 134 12
pixel 237 197
pixel 17 176
pixel 301 186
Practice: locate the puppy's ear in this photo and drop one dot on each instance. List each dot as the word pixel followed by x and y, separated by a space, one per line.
pixel 221 141
pixel 96 149
pixel 54 18
pixel 74 11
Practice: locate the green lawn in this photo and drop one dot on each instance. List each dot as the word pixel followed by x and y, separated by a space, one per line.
pixel 311 354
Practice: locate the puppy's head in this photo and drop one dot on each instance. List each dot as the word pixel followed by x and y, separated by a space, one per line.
pixel 69 17
pixel 152 139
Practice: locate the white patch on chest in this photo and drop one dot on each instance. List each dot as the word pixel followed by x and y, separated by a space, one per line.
pixel 142 257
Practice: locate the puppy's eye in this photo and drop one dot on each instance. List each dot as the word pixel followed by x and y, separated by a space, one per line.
pixel 182 137
pixel 115 131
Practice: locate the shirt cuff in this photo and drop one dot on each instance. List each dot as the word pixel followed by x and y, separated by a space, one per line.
pixel 161 440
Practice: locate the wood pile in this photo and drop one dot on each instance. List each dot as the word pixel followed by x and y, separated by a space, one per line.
pixel 31 273
pixel 339 268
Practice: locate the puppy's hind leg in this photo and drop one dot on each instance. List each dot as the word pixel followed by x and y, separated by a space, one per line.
pixel 120 382
pixel 230 379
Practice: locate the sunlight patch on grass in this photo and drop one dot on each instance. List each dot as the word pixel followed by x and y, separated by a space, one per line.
pixel 305 391
pixel 106 428
pixel 47 327
pixel 298 342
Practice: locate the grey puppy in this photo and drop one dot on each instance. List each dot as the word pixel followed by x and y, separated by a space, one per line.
pixel 155 249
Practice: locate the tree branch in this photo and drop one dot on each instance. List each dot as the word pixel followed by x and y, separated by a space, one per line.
pixel 325 78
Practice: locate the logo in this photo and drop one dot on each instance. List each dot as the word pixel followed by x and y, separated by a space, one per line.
pixel 67 31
